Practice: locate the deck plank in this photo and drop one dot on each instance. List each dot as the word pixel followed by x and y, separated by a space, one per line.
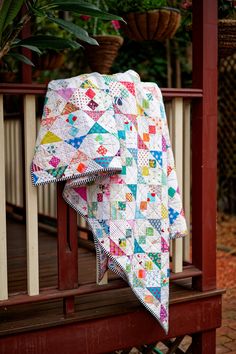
pixel 45 314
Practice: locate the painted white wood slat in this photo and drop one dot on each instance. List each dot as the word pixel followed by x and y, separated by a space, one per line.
pixel 18 164
pixel 3 234
pixel 177 139
pixel 187 176
pixel 31 197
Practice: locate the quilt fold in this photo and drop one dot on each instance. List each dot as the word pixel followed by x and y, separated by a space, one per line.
pixel 108 137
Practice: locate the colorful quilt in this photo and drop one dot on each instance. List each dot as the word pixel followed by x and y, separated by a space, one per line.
pixel 108 137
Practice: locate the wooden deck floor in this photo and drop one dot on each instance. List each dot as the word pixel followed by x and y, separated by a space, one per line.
pixel 35 316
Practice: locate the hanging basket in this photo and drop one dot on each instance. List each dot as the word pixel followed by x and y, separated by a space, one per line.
pixel 100 58
pixel 156 25
pixel 226 37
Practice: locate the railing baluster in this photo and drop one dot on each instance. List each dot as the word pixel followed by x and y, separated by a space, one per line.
pixel 31 197
pixel 8 161
pixel 187 176
pixel 13 158
pixel 177 138
pixel 169 116
pixel 67 241
pixel 18 163
pixel 3 234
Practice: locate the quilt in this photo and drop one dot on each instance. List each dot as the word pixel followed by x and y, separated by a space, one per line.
pixel 107 135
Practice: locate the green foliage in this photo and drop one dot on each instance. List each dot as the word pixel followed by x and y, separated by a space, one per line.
pixel 125 6
pixel 226 9
pixel 12 22
pixel 149 60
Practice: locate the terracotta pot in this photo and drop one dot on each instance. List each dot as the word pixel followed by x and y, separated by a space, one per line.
pixel 49 61
pixel 7 76
pixel 156 25
pixel 100 58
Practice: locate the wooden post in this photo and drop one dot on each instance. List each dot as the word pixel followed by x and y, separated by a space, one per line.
pixel 67 242
pixel 204 142
pixel 204 156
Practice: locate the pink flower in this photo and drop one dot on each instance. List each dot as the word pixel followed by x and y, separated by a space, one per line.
pixel 115 24
pixel 85 17
pixel 186 4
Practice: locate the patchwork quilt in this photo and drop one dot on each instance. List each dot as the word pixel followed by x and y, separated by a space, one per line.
pixel 108 137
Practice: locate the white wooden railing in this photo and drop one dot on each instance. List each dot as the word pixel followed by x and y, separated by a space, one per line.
pixel 43 200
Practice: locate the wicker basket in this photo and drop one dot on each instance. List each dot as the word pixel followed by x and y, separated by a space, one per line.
pixel 226 37
pixel 156 25
pixel 100 58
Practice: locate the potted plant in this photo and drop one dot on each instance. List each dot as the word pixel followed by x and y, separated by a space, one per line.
pixel 13 20
pixel 147 19
pixel 107 34
pixel 226 28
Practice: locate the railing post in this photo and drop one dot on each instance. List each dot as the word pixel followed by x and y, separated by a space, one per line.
pixel 3 234
pixel 31 197
pixel 67 242
pixel 204 142
pixel 177 138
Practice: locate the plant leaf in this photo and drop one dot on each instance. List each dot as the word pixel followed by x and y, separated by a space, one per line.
pixel 84 8
pixel 8 12
pixel 50 42
pixel 21 57
pixel 74 29
pixel 33 48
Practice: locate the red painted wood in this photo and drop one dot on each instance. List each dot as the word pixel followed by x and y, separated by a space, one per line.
pixel 50 294
pixel 40 89
pixel 69 305
pixel 204 342
pixel 204 144
pixel 67 243
pixel 26 70
pixel 112 333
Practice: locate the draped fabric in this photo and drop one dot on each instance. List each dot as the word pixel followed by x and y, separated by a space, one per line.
pixel 108 137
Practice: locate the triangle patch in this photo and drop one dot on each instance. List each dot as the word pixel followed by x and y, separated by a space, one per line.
pixel 57 172
pixel 163 313
pixel 137 282
pixel 129 86
pixel 164 245
pixel 69 108
pixel 156 292
pixel 115 249
pixel 104 161
pixel 65 93
pixel 158 156
pixel 105 226
pixel 156 258
pixel 76 142
pixel 134 153
pixel 141 144
pixel 137 248
pixel 94 115
pixel 97 129
pixel 138 214
pixel 82 191
pixel 156 223
pixel 133 189
pixel 50 137
pixel 88 84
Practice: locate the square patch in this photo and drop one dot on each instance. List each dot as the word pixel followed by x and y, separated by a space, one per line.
pixel 54 161
pixel 149 231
